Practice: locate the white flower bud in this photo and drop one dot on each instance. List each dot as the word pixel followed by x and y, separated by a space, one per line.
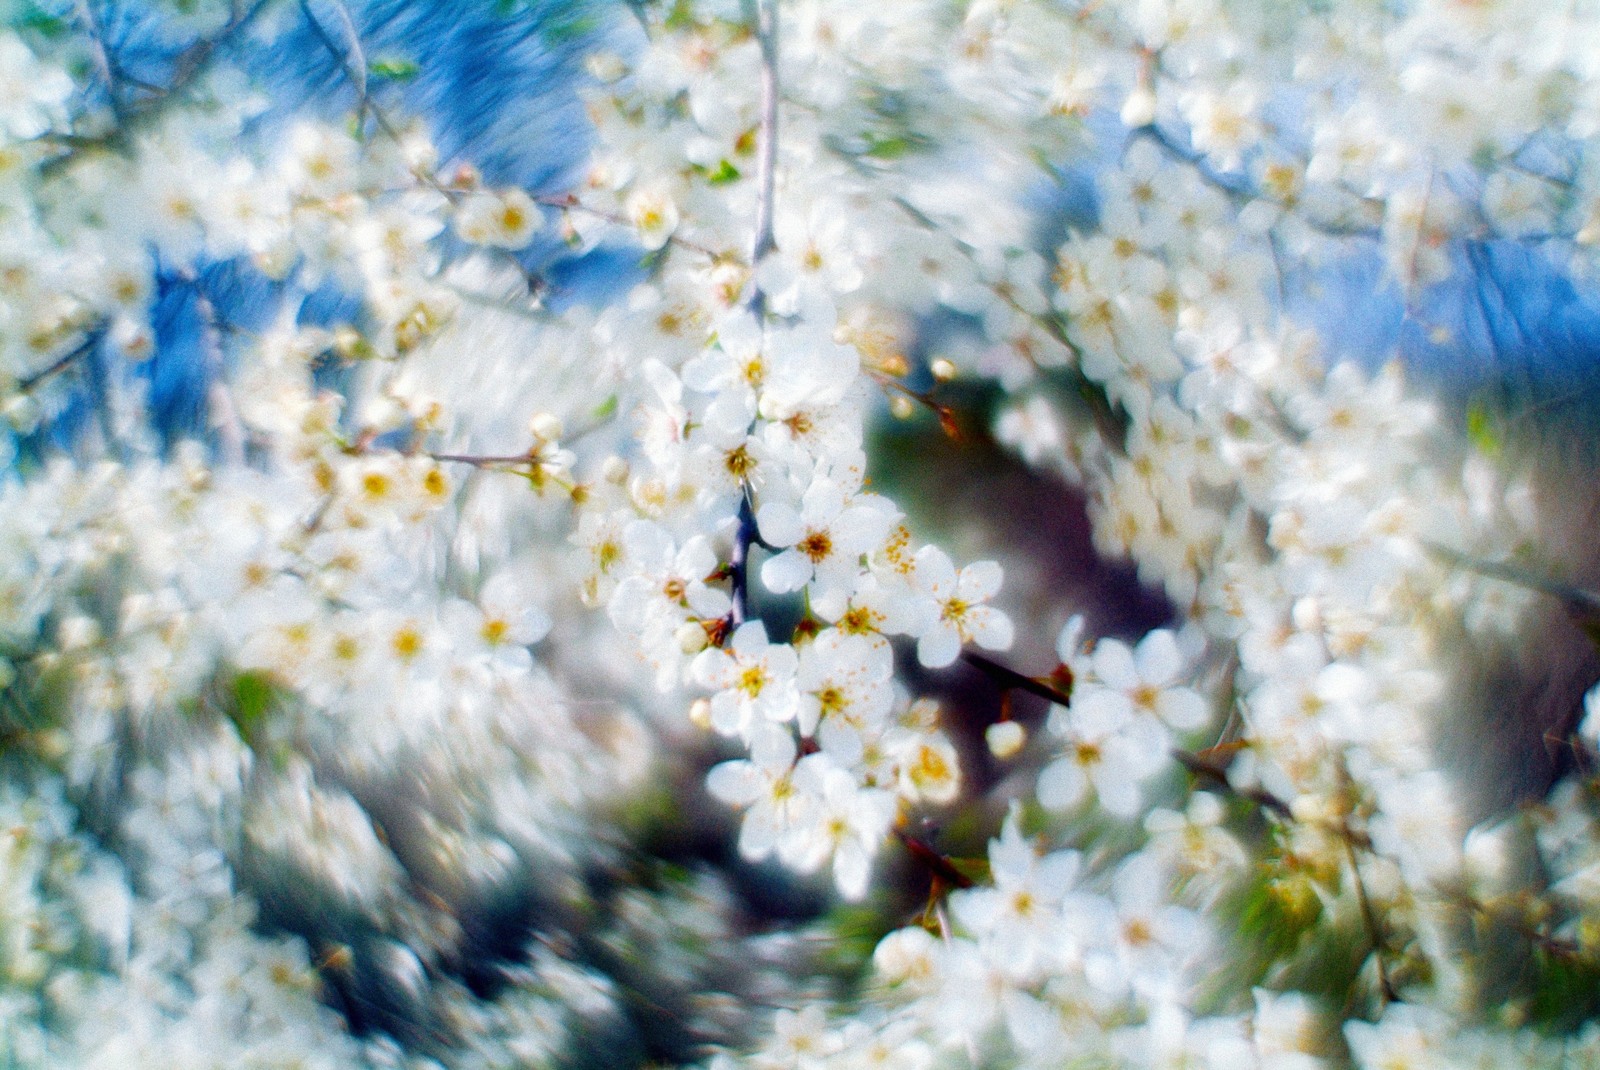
pixel 1140 107
pixel 1005 739
pixel 691 637
pixel 545 426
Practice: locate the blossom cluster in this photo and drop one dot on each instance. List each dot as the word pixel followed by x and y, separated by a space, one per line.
pixel 447 579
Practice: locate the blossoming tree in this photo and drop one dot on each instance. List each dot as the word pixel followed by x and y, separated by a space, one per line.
pixel 368 712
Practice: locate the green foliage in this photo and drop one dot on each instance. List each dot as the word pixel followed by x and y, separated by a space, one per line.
pixel 251 698
pixel 556 24
pixel 606 409
pixel 854 930
pixel 1293 929
pixel 32 18
pixel 722 174
pixel 1564 990
pixel 393 68
pixel 1483 430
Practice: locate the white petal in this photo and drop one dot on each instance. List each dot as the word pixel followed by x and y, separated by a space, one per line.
pixel 860 529
pixel 750 639
pixel 759 834
pixel 1114 665
pixel 1182 708
pixel 789 571
pixel 850 871
pixel 1061 784
pixel 939 646
pixel 1118 795
pixel 823 501
pixel 1158 658
pixel 980 581
pixel 935 574
pixel 990 628
pixel 736 783
pixel 780 524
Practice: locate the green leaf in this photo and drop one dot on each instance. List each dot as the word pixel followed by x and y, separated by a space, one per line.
pixel 33 17
pixel 975 869
pixel 254 694
pixel 856 929
pixel 1566 990
pixel 606 408
pixel 681 17
pixel 724 173
pixel 890 148
pixel 393 68
pixel 1481 430
pixel 560 29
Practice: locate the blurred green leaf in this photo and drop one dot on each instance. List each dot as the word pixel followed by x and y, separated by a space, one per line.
pixel 1481 430
pixel 253 695
pixel 393 68
pixel 722 174
pixel 38 20
pixel 1565 990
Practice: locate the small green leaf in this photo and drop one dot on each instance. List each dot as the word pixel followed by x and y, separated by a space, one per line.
pixel 724 173
pixel 254 694
pixel 1481 430
pixel 975 869
pixel 34 18
pixel 560 29
pixel 681 17
pixel 393 68
pixel 889 148
pixel 606 408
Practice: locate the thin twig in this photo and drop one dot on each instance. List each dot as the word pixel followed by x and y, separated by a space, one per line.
pixel 1217 775
pixel 765 18
pixel 1007 677
pixel 1581 603
pixel 1369 917
pixel 187 68
pixel 739 561
pixel 61 363
pixel 102 58
pixel 766 28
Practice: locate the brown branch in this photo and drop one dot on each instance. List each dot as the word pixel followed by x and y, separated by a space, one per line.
pixel 1009 678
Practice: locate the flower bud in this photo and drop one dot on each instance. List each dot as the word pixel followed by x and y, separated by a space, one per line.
pixel 691 637
pixel 1140 107
pixel 1005 739
pixel 545 426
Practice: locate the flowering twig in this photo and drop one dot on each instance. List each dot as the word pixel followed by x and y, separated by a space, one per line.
pixel 765 18
pixel 61 363
pixel 187 68
pixel 766 30
pixel 1581 603
pixel 1369 918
